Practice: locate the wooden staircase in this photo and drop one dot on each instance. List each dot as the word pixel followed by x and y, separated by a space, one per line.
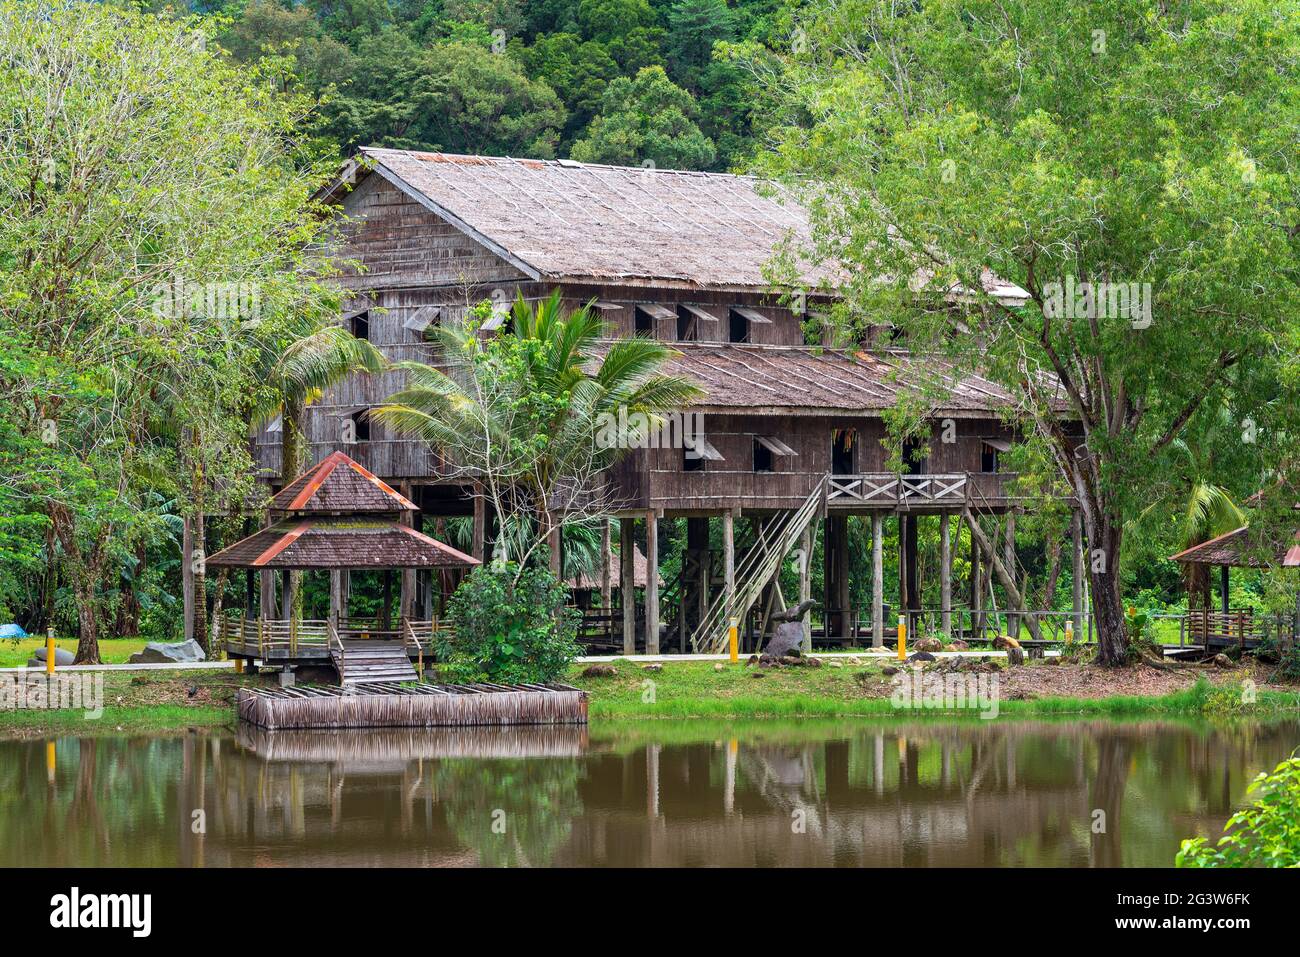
pixel 754 571
pixel 368 660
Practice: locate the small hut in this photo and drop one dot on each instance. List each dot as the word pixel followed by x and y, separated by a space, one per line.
pixel 1240 548
pixel 338 517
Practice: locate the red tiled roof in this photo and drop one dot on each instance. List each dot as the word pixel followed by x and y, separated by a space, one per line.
pixel 339 484
pixel 339 542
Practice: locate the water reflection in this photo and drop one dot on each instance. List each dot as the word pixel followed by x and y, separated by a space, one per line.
pixel 663 794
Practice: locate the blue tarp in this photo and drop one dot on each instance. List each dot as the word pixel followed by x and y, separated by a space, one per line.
pixel 12 631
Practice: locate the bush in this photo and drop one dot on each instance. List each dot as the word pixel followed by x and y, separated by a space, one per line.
pixel 510 625
pixel 1266 834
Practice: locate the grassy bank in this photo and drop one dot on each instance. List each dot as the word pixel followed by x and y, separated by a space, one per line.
pixel 139 703
pixel 699 690
pixel 112 651
pixel 156 702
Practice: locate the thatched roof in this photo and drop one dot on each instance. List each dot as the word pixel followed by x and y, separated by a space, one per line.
pixel 559 220
pixel 1242 549
pixel 340 485
pixel 764 379
pixel 592 582
pixel 339 542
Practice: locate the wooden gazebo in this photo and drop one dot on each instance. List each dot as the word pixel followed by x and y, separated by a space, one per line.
pixel 1240 548
pixel 337 517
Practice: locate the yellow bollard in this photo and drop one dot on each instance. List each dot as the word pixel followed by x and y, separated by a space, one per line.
pixel 239 666
pixel 902 638
pixel 50 761
pixel 733 642
pixel 1069 631
pixel 49 652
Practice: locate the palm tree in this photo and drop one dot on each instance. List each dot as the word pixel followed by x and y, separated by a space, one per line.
pixel 536 413
pixel 307 368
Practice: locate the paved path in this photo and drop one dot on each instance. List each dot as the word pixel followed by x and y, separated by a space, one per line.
pixel 162 666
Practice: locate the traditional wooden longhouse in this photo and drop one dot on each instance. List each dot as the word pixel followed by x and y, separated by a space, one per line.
pixel 792 431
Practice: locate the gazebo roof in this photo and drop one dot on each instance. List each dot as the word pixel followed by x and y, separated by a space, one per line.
pixel 339 484
pixel 339 542
pixel 1239 548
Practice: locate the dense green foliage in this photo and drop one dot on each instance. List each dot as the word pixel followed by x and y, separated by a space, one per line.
pixel 617 81
pixel 1265 834
pixel 156 258
pixel 510 624
pixel 1143 146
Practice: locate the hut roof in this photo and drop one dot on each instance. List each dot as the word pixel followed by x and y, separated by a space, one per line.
pixel 1240 548
pixel 339 542
pixel 339 484
pixel 564 220
pixel 779 378
pixel 592 582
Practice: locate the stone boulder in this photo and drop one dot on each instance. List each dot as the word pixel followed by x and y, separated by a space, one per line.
pixel 786 637
pixel 599 671
pixel 61 657
pixel 157 653
pixel 929 644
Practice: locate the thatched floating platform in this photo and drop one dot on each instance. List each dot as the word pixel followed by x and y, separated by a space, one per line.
pixel 384 705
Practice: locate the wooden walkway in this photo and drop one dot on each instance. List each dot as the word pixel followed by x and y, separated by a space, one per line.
pixel 393 705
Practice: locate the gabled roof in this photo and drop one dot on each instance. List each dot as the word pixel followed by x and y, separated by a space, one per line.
pixel 564 220
pixel 339 542
pixel 339 484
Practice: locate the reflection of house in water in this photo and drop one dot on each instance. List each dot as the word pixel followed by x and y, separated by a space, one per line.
pixel 926 794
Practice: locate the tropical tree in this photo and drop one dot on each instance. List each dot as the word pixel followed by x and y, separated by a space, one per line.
pixel 1129 165
pixel 537 413
pixel 649 119
pixel 155 230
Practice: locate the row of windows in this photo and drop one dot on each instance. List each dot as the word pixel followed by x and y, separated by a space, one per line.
pixel 690 322
pixel 766 451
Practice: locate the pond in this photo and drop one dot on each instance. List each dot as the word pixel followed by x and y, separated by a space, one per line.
pixel 812 793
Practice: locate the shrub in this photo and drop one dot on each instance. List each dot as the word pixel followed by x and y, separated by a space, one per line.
pixel 1265 834
pixel 510 625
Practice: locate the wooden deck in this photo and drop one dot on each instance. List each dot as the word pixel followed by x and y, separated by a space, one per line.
pixel 392 705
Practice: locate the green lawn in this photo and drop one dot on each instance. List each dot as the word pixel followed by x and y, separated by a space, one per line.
pixel 112 651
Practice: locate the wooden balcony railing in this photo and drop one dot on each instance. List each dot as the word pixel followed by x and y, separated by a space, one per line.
pixel 893 490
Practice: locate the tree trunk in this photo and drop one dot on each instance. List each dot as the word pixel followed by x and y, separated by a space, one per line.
pixel 1053 573
pixel 84 575
pixel 1104 540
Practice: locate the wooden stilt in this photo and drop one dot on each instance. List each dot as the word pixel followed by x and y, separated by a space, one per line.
pixel 805 585
pixel 842 583
pixel 877 580
pixel 651 584
pixel 945 574
pixel 606 572
pixel 336 596
pixel 976 590
pixel 627 584
pixel 729 562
